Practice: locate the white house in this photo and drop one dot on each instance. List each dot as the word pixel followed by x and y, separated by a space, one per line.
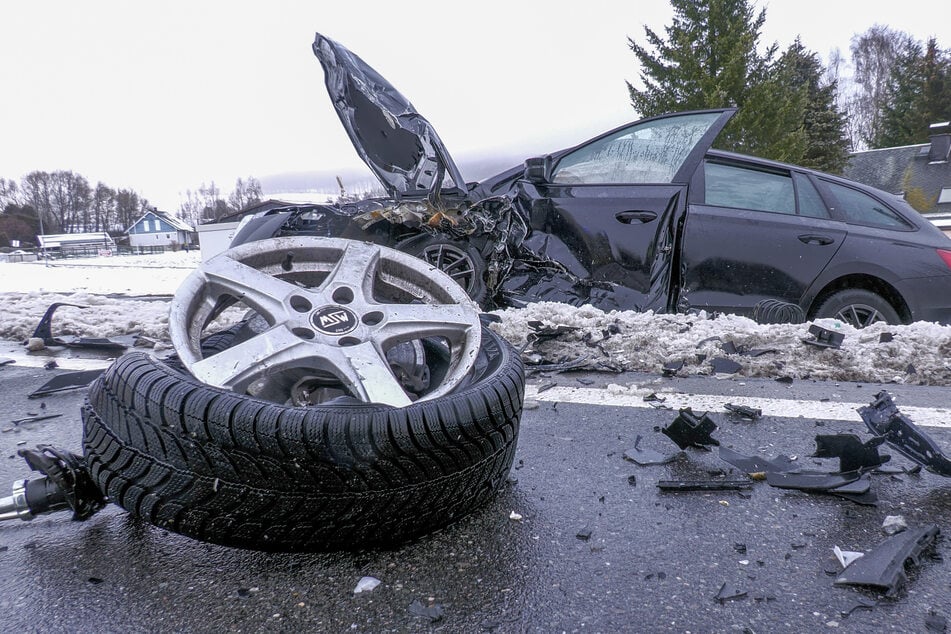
pixel 159 229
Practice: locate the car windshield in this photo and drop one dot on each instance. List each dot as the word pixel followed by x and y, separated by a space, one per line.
pixel 647 152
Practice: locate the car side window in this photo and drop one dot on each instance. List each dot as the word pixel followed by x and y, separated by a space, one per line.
pixel 745 188
pixel 810 202
pixel 646 152
pixel 859 208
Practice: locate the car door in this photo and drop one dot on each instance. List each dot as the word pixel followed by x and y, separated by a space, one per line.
pixel 608 209
pixel 753 231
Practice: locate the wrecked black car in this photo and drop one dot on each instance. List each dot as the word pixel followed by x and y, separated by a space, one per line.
pixel 643 217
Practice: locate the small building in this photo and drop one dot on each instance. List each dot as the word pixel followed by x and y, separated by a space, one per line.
pixel 76 244
pixel 159 229
pixel 920 173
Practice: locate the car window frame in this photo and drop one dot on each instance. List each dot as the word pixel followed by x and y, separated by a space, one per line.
pixel 752 167
pixel 832 202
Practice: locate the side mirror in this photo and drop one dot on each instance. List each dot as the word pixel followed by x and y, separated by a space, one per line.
pixel 538 169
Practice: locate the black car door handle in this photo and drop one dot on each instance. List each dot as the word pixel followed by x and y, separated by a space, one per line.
pixel 814 239
pixel 627 217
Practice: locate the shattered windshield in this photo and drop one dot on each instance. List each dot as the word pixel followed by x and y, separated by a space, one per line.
pixel 647 152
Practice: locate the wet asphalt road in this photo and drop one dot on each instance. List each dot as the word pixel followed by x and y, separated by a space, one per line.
pixel 653 561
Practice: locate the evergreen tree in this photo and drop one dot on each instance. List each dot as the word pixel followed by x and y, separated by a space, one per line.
pixel 710 60
pixel 823 123
pixel 918 94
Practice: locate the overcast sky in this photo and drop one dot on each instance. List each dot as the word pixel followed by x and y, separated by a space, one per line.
pixel 162 96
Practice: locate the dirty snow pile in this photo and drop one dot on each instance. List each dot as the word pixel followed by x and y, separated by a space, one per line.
pixel 116 294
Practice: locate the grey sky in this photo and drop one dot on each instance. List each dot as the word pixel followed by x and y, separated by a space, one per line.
pixel 160 97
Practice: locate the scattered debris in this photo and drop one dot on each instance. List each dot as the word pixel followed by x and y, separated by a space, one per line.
pixel 672 368
pixel 34 344
pixel 756 464
pixel 6 361
pixel 584 534
pixel 33 419
pixel 44 332
pixel 824 338
pixel 846 557
pixel 687 430
pixel 810 480
pixel 515 517
pixel 743 411
pixel 632 480
pixel 894 524
pixel 722 365
pixel 646 457
pixel 653 398
pixel 883 567
pixel 67 485
pixel 66 381
pixel 886 337
pixel 785 380
pixel 883 419
pixel 703 485
pixel 728 592
pixel 432 611
pixel 852 453
pixel 861 604
pixel 366 584
pixel 935 622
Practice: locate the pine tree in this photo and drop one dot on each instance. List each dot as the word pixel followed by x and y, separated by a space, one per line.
pixel 919 94
pixel 710 60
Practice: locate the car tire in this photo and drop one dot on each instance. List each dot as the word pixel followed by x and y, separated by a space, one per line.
pixel 456 258
pixel 231 469
pixel 858 307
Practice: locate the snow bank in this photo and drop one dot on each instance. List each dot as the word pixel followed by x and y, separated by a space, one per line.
pixel 112 288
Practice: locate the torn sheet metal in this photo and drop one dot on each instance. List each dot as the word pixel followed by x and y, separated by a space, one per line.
pixel 883 567
pixel 883 418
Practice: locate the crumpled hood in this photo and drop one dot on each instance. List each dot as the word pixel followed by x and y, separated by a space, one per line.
pixel 395 141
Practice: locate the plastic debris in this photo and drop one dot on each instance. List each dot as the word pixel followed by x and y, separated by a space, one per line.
pixel 366 584
pixel 688 430
pixel 584 534
pixel 883 567
pixel 430 610
pixel 894 524
pixel 67 381
pixel 703 485
pixel 646 457
pixel 935 622
pixel 845 557
pixel 722 365
pixel 852 453
pixel 515 517
pixel 824 338
pixel 743 411
pixel 883 419
pixel 729 592
pixel 672 368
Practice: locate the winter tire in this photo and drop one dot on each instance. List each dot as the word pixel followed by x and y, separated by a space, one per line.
pixel 858 307
pixel 232 469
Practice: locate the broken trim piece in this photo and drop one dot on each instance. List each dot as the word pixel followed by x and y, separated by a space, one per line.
pixel 883 567
pixel 883 419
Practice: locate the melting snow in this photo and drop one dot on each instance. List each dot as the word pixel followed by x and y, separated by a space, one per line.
pixel 120 293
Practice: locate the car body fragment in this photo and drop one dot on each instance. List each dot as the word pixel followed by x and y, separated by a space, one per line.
pixel 883 418
pixel 884 566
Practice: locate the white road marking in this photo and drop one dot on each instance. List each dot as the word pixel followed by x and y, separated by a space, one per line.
pixel 785 408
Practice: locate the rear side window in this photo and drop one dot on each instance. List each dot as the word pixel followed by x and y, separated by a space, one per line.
pixel 744 188
pixel 859 208
pixel 810 202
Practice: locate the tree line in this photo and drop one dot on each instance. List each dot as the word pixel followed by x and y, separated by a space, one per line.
pixel 65 202
pixel 792 108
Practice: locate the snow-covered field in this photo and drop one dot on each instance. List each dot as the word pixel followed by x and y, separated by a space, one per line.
pixel 116 293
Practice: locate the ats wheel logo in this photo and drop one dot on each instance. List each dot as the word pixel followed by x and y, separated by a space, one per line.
pixel 334 320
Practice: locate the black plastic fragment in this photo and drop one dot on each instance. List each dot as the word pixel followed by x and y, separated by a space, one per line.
pixel 687 430
pixel 883 419
pixel 672 368
pixel 861 604
pixel 824 338
pixel 67 381
pixel 883 567
pixel 433 612
pixel 743 411
pixel 646 457
pixel 935 622
pixel 722 365
pixel 67 483
pixel 852 453
pixel 704 485
pixel 44 331
pixel 810 480
pixel 729 592
pixel 757 464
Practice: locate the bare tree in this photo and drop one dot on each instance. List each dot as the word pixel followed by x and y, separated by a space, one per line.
pixel 245 194
pixel 874 55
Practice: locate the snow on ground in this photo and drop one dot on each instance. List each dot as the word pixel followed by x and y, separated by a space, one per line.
pixel 113 290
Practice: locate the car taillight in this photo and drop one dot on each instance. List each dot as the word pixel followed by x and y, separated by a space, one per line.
pixel 945 255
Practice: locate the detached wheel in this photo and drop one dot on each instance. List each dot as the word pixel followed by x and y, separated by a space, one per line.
pixel 858 308
pixel 259 437
pixel 456 258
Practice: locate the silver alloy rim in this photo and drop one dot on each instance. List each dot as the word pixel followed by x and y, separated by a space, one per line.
pixel 333 307
pixel 859 315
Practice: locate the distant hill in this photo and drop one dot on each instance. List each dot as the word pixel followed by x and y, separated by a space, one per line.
pixel 357 180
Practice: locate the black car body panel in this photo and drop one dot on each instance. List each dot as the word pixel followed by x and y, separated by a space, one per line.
pixel 643 217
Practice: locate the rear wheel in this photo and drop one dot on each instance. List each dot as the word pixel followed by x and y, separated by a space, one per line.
pixel 456 258
pixel 858 308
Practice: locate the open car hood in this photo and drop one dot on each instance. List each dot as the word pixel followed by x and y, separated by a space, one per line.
pixel 394 140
